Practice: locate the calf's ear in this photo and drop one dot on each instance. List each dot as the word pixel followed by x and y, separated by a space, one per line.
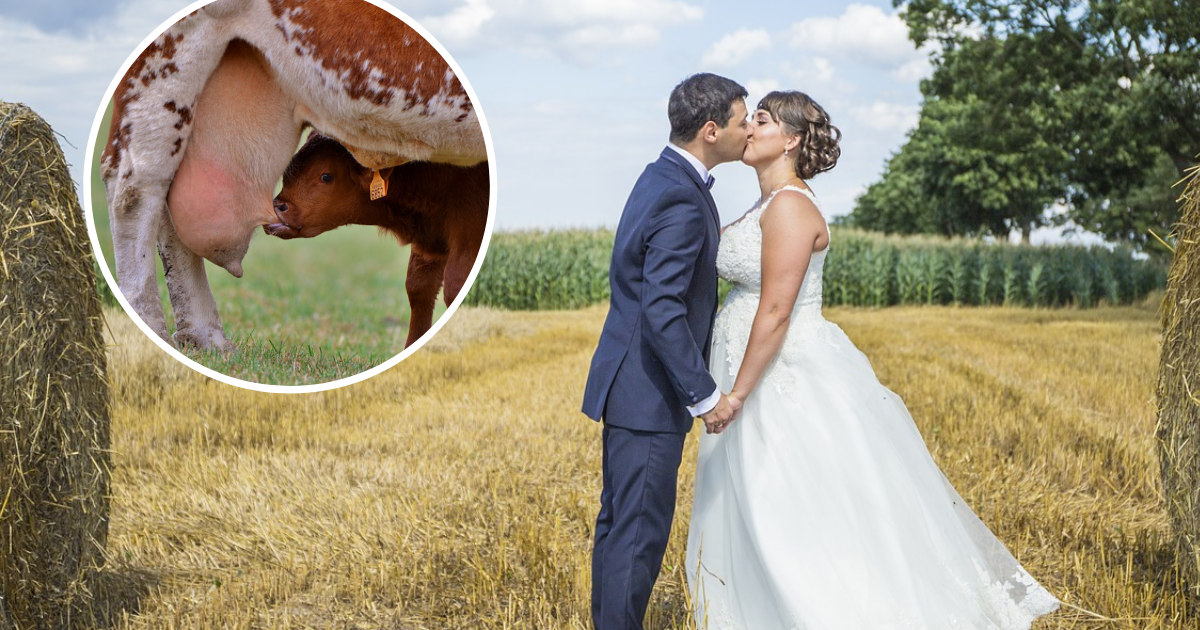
pixel 363 176
pixel 366 175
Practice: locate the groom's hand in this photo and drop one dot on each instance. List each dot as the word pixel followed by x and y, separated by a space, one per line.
pixel 716 420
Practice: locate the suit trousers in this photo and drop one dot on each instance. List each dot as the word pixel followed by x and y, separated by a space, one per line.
pixel 637 505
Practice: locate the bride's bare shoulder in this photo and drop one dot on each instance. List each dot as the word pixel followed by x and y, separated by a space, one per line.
pixel 791 204
pixel 794 216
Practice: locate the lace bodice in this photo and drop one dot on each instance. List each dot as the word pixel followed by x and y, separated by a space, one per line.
pixel 739 260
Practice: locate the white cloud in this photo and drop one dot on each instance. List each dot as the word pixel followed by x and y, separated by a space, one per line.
pixel 818 77
pixel 736 47
pixel 576 30
pixel 913 71
pixel 604 35
pixel 63 74
pixel 462 23
pixel 583 11
pixel 821 70
pixel 71 16
pixel 554 107
pixel 759 88
pixel 862 33
pixel 884 116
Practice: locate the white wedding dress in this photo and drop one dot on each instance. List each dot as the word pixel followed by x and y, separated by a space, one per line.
pixel 820 507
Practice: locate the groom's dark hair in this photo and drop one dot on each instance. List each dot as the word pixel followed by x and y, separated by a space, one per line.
pixel 698 99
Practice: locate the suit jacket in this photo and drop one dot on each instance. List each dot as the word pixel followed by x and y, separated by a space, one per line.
pixel 651 361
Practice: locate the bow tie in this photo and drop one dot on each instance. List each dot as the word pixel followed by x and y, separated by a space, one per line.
pixel 710 181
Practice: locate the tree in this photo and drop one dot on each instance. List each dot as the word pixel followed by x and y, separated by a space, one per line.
pixel 986 156
pixel 1082 102
pixel 1130 215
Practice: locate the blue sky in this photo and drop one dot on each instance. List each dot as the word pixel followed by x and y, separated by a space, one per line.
pixel 574 92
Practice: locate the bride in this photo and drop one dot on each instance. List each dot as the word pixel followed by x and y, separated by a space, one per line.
pixel 819 506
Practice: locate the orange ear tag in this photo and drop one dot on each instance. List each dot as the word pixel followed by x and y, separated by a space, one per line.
pixel 378 187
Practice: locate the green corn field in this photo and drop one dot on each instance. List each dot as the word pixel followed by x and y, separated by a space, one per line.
pixel 537 270
pixel 870 269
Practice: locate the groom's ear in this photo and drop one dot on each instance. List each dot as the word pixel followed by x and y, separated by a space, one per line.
pixel 709 131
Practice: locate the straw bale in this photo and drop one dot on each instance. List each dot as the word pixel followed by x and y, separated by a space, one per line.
pixel 54 416
pixel 1179 385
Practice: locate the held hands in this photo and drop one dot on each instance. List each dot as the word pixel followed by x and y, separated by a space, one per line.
pixel 719 418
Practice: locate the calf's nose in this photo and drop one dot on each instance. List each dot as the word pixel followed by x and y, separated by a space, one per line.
pixel 280 206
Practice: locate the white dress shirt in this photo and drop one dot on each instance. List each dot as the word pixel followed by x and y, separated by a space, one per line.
pixel 693 160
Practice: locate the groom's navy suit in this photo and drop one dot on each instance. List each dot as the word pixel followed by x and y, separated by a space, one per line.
pixel 650 365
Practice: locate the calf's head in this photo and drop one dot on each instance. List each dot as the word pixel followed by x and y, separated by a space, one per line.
pixel 323 188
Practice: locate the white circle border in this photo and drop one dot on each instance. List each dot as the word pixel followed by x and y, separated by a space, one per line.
pixel 89 164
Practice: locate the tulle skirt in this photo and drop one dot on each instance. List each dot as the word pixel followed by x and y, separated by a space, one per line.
pixel 820 508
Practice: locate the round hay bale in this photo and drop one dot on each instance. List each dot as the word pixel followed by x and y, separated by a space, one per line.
pixel 54 415
pixel 1179 385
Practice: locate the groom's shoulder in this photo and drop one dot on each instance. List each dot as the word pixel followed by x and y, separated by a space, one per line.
pixel 667 169
pixel 663 176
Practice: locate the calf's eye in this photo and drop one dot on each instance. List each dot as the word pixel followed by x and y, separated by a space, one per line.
pixel 326 177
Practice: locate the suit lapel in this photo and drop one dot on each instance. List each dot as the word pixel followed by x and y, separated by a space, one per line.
pixel 678 161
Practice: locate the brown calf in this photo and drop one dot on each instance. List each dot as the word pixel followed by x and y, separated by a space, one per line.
pixel 440 209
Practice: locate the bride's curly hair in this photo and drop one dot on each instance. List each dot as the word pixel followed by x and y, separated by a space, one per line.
pixel 799 114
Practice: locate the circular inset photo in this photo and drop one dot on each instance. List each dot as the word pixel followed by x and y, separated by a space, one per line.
pixel 290 195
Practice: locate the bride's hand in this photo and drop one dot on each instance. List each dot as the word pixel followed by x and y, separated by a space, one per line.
pixel 735 403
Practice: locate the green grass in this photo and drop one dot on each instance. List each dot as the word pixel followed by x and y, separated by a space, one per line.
pixel 267 360
pixel 306 310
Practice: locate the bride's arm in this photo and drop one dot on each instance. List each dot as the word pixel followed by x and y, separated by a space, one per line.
pixel 791 226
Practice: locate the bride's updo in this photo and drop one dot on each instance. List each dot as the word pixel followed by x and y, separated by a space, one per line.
pixel 799 114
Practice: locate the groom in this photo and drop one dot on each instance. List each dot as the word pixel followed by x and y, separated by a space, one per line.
pixel 648 378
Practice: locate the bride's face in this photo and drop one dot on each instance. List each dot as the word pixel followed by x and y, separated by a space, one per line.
pixel 767 140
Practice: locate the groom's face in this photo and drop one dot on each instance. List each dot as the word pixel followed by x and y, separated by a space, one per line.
pixel 731 139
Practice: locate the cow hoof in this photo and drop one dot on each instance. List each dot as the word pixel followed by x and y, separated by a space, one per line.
pixel 187 339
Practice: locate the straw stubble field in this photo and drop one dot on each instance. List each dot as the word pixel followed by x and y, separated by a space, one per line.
pixel 458 489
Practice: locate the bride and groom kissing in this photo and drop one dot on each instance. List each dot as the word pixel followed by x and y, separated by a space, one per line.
pixel 817 505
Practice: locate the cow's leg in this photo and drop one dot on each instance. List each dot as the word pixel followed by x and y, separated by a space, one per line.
pixel 151 124
pixel 196 320
pixel 424 280
pixel 136 213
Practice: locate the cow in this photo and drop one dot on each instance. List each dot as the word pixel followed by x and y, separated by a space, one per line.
pixel 209 115
pixel 440 209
